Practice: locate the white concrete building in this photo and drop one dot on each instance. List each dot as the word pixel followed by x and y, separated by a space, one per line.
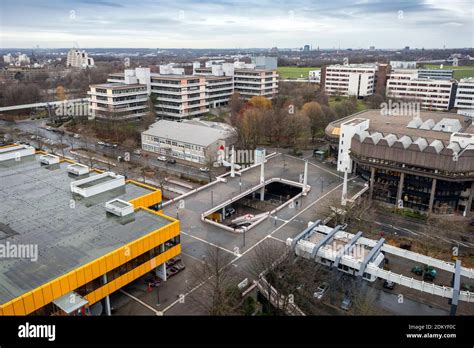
pixel 193 141
pixel 314 76
pixel 350 80
pixel 347 131
pixel 465 95
pixel 431 94
pixel 265 63
pixel 179 96
pixel 118 101
pixel 254 82
pixel 79 59
pixel 399 64
pixel 436 74
pixel 8 58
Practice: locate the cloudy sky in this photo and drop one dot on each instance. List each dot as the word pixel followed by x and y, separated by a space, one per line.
pixel 236 23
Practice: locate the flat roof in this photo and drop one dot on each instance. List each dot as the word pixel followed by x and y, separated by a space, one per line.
pixel 397 125
pixel 187 132
pixel 36 209
pixel 118 85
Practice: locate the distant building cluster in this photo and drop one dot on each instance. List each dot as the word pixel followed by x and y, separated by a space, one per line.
pixel 79 59
pixel 177 95
pixel 19 60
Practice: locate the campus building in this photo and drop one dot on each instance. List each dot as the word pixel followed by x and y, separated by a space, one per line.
pixel 465 95
pixel 70 235
pixel 431 94
pixel 179 96
pixel 79 59
pixel 436 74
pixel 358 80
pixel 191 140
pixel 118 101
pixel 423 162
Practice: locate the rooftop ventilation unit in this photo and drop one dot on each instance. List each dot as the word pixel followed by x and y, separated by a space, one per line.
pixel 49 159
pixel 15 151
pixel 78 169
pixel 119 207
pixel 96 184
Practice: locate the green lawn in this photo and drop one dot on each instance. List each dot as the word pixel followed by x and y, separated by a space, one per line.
pixel 294 72
pixel 459 71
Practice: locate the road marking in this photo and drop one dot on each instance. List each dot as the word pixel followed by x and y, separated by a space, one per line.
pixel 205 241
pixel 141 302
pixel 191 256
pixel 278 239
pixel 315 165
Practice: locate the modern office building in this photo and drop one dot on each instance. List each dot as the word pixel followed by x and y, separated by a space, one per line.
pixel 191 140
pixel 400 64
pixel 314 76
pixel 424 163
pixel 358 80
pixel 431 94
pixel 436 74
pixel 219 90
pixel 71 236
pixel 179 96
pixel 118 101
pixel 465 95
pixel 79 59
pixel 265 62
pixel 248 80
pixel 256 82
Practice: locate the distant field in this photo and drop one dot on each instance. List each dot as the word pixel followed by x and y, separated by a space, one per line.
pixel 294 72
pixel 459 71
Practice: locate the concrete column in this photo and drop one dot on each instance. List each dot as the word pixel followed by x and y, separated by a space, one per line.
pixel 344 189
pixel 400 188
pixel 232 163
pixel 262 177
pixel 469 200
pixel 372 179
pixel 305 178
pixel 161 269
pixel 432 195
pixel 108 311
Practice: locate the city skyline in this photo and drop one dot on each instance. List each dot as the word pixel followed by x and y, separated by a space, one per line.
pixel 236 24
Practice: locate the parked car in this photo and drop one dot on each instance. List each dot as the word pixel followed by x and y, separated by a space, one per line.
pixel 171 161
pixel 137 152
pixel 430 273
pixel 388 284
pixel 229 211
pixel 100 143
pixel 204 169
pixel 77 136
pixel 418 270
pixel 346 303
pixel 321 290
pixel 161 158
pixel 114 146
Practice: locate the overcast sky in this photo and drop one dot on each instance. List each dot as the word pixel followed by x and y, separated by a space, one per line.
pixel 236 23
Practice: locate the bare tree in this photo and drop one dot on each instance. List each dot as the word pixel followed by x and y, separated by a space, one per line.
pixel 218 293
